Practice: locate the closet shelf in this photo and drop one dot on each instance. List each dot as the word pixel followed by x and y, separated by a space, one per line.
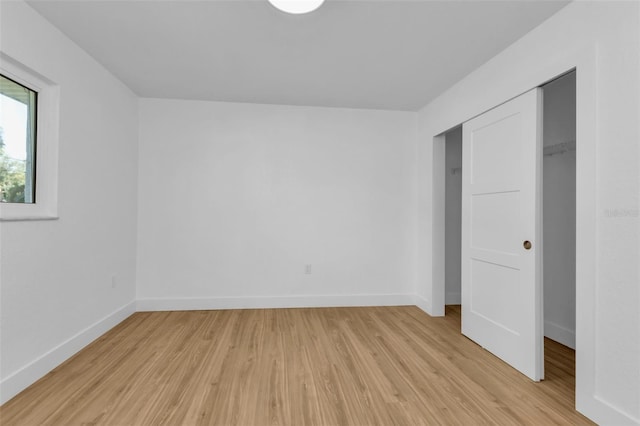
pixel 559 148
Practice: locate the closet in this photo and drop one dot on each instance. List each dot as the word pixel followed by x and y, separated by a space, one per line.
pixel 559 210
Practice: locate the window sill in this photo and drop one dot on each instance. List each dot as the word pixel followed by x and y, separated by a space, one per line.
pixel 13 212
pixel 28 218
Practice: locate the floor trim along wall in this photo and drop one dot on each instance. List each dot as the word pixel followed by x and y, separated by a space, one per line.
pixel 453 298
pixel 560 334
pixel 266 302
pixel 422 303
pixel 30 373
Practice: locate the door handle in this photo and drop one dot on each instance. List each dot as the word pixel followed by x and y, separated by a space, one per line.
pixel 527 244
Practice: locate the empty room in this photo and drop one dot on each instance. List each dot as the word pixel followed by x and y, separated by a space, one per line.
pixel 319 212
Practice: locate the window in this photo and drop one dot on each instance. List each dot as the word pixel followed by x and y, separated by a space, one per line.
pixel 29 110
pixel 18 110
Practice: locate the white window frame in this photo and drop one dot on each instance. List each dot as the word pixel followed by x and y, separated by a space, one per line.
pixel 46 155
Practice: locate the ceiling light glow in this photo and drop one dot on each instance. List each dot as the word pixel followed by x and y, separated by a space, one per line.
pixel 296 7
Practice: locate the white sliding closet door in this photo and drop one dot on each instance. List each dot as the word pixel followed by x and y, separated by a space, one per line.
pixel 501 232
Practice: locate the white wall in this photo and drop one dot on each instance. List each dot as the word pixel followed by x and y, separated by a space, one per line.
pixel 56 276
pixel 603 40
pixel 559 206
pixel 235 200
pixel 453 216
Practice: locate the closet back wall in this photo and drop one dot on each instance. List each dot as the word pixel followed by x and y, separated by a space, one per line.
pixel 244 205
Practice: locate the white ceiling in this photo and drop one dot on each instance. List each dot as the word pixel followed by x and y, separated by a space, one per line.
pixel 379 54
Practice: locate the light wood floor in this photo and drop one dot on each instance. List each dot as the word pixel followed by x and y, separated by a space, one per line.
pixel 334 366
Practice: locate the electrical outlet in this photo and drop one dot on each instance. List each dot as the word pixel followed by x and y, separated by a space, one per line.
pixel 307 269
pixel 114 281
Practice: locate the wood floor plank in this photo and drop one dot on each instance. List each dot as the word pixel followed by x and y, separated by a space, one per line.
pixel 323 366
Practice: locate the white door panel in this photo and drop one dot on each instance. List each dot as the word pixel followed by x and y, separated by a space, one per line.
pixel 501 208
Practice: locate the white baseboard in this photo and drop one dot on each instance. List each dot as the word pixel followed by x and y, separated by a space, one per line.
pixel 422 303
pixel 453 298
pixel 264 302
pixel 560 334
pixel 30 373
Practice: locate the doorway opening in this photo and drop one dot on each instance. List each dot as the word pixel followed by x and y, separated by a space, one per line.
pixel 558 222
pixel 453 217
pixel 559 209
